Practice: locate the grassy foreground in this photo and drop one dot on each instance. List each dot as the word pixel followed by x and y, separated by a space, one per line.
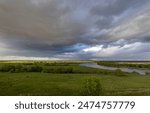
pixel 69 83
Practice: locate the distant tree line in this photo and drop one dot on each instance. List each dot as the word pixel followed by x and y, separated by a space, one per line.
pixel 128 65
pixel 57 68
pixel 14 68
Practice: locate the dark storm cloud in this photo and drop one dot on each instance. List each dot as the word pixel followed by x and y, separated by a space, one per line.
pixel 74 29
pixel 40 25
pixel 115 7
pixel 110 10
pixel 47 22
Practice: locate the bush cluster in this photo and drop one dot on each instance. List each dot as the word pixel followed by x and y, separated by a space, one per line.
pixel 20 68
pixel 58 70
pixel 92 87
pixel 14 68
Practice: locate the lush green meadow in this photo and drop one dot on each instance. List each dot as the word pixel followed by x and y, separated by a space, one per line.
pixel 68 78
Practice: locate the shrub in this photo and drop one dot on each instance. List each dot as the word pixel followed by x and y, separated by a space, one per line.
pixel 7 68
pixel 24 69
pixel 92 87
pixel 118 72
pixel 48 70
pixel 58 70
pixel 69 70
pixel 17 70
pixel 11 71
pixel 148 73
pixel 34 68
pixel 106 72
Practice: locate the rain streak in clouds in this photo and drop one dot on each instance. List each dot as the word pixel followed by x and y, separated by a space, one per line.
pixel 75 29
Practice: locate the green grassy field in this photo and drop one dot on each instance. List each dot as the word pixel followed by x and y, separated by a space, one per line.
pixel 69 83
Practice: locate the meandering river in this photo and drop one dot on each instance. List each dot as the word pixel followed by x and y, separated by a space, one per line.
pixel 129 70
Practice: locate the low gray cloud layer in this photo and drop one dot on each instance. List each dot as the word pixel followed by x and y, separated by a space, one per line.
pixel 75 29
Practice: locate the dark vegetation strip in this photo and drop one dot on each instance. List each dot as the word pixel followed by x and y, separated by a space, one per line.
pixel 126 64
pixel 63 68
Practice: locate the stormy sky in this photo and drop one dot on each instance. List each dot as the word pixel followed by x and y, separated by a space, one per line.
pixel 75 29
